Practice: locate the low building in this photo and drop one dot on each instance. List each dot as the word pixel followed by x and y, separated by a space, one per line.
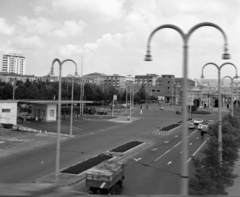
pixel 117 81
pixel 11 77
pixel 8 112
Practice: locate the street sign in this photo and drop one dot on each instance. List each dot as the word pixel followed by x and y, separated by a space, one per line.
pixel 114 97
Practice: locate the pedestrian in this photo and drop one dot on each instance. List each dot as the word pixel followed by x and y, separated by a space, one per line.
pixel 202 134
pixel 141 109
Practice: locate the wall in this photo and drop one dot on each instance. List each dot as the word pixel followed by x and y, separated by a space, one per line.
pixel 49 108
pixel 8 117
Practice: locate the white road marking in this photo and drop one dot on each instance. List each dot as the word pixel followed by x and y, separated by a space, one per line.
pixel 163 154
pixel 176 136
pixel 196 137
pixel 172 147
pixel 169 162
pixel 137 159
pixel 42 162
pixel 197 150
pixel 190 144
pixel 154 149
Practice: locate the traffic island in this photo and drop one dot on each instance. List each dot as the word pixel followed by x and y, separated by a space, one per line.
pixel 76 173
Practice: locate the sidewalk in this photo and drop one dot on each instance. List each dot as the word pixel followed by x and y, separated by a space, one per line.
pixel 235 189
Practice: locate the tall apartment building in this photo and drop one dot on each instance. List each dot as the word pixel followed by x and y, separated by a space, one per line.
pixel 13 63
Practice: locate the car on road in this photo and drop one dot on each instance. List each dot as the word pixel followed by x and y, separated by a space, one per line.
pixel 200 126
pixel 191 125
pixel 205 128
pixel 161 108
pixel 178 112
pixel 197 121
pixel 101 111
pixel 210 124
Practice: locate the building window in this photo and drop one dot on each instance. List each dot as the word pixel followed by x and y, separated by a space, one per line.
pixel 6 110
pixel 153 90
pixel 168 82
pixel 51 113
pixel 158 90
pixel 168 88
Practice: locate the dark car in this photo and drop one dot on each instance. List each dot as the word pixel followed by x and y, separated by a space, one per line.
pixel 89 110
pixel 102 111
pixel 178 112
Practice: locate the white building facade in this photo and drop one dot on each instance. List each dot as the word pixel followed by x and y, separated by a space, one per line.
pixel 14 63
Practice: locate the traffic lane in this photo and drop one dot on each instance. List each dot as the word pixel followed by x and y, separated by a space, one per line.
pixel 144 160
pixel 160 176
pixel 27 166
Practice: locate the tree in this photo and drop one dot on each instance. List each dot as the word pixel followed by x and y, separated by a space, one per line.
pixel 211 178
pixel 33 91
pixel 21 92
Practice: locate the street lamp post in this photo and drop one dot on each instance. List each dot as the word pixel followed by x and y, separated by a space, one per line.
pixel 237 91
pixel 219 102
pixel 231 78
pixel 71 120
pixel 59 111
pixel 185 37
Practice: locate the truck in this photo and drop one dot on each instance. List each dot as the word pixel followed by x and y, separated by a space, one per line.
pixel 105 178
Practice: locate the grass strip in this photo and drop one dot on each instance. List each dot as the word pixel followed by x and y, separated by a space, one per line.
pixel 85 165
pixel 170 127
pixel 125 147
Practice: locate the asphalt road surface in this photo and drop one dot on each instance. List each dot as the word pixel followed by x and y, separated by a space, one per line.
pixel 156 172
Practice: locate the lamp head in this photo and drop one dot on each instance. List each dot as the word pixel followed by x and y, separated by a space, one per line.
pixel 226 55
pixel 202 76
pixel 148 57
pixel 52 73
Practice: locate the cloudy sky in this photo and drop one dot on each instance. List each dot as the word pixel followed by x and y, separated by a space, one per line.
pixel 111 35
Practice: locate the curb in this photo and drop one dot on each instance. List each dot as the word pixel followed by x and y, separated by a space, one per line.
pixel 22 128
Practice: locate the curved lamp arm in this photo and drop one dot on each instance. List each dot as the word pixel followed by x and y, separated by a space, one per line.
pixel 225 54
pixel 55 60
pixel 69 60
pixel 148 57
pixel 232 65
pixel 227 77
pixel 210 63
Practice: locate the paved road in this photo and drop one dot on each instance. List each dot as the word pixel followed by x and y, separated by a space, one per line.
pixel 28 166
pixel 156 170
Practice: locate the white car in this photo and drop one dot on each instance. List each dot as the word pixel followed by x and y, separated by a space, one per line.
pixel 200 126
pixel 191 125
pixel 197 121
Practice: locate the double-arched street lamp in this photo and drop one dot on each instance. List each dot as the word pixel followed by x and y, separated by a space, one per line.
pixel 148 57
pixel 219 102
pixel 231 78
pixel 59 110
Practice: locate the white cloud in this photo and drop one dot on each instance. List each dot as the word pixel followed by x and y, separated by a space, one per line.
pixel 5 28
pixel 70 28
pixel 70 49
pixel 44 26
pixel 104 10
pixel 31 42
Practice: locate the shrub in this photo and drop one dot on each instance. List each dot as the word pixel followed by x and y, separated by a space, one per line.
pixel 201 112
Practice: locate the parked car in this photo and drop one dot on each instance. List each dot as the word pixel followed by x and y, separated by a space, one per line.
pixel 191 125
pixel 197 121
pixel 89 110
pixel 101 111
pixel 29 117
